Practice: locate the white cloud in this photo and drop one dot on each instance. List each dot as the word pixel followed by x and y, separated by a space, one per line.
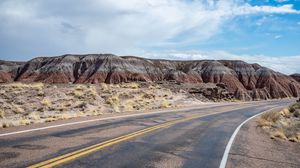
pixel 280 1
pixel 284 64
pixel 277 37
pixel 52 27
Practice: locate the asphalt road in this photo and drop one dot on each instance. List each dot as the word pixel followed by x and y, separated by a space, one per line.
pixel 194 137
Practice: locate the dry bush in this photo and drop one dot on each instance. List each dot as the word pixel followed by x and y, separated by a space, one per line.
pixel 78 94
pixel 17 85
pixel 2 114
pixel 79 87
pixel 269 118
pixel 50 119
pixel 148 96
pixel 41 93
pixel 278 134
pixel 165 104
pixel 92 91
pixel 113 100
pixel 104 86
pixel 294 107
pixel 16 109
pixel 24 121
pixel 297 113
pixel 46 103
pixel 285 113
pixel 5 124
pixel 128 106
pixel 131 85
pixel 37 86
pixel 34 116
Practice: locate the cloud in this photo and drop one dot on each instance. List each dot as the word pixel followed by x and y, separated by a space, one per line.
pixel 52 27
pixel 280 1
pixel 285 64
pixel 277 37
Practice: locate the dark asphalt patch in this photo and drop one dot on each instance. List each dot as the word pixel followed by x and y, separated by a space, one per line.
pixel 30 147
pixel 8 155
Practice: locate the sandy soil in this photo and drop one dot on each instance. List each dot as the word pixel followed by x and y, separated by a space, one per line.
pixel 23 104
pixel 254 148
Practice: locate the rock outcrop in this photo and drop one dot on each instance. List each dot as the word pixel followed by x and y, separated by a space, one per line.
pixel 245 81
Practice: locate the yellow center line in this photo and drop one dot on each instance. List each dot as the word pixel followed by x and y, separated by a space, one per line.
pixel 78 153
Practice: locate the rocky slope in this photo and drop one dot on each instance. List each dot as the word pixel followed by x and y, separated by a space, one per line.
pixel 245 81
pixel 296 77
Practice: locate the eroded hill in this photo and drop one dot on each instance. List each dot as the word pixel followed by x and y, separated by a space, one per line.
pixel 244 81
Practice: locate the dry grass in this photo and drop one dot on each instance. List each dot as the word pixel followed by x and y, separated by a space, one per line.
pixel 34 116
pixel 279 134
pixel 113 100
pixel 268 119
pixel 37 103
pixel 165 104
pixel 131 85
pixel 24 121
pixel 282 124
pixel 16 109
pixel 2 114
pixel 78 94
pixel 46 103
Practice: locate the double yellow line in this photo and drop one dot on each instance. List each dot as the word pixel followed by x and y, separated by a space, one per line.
pixel 73 155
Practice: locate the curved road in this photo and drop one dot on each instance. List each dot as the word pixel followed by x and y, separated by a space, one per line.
pixel 191 137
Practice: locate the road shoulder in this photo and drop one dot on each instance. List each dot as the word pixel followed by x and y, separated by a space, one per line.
pixel 254 148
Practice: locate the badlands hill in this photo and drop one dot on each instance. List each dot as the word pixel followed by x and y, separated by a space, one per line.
pixel 245 81
pixel 296 77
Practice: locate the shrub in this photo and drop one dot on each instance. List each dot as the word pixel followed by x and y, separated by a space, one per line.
pixel 271 116
pixel 41 93
pixel 16 109
pixel 279 134
pixel 165 104
pixel 46 102
pixel 38 86
pixel 24 122
pixel 92 92
pixel 294 107
pixel 131 85
pixel 2 114
pixel 79 87
pixel 285 113
pixel 34 116
pixel 104 86
pixel 78 94
pixel 128 107
pixel 114 100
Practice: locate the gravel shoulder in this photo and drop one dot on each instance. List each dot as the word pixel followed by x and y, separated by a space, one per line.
pixel 254 148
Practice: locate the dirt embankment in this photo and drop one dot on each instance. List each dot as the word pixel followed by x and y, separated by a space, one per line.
pixel 271 140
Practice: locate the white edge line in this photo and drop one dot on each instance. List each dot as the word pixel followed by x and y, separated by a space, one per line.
pixel 232 138
pixel 99 119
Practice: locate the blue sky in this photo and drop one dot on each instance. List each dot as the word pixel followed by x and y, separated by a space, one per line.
pixel 262 31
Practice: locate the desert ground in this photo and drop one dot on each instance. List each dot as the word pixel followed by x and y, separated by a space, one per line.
pixel 23 104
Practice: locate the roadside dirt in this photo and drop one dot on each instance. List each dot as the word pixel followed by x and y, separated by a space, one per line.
pixel 254 148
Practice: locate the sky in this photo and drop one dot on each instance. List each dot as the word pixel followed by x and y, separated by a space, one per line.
pixel 256 31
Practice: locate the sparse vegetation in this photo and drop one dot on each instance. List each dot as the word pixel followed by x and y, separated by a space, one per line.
pixel 37 102
pixel 165 104
pixel 2 114
pixel 46 103
pixel 17 109
pixel 284 124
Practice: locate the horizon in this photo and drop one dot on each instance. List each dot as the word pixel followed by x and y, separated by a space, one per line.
pixel 264 32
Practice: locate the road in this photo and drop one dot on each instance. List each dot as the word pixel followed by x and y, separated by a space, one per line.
pixel 192 137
